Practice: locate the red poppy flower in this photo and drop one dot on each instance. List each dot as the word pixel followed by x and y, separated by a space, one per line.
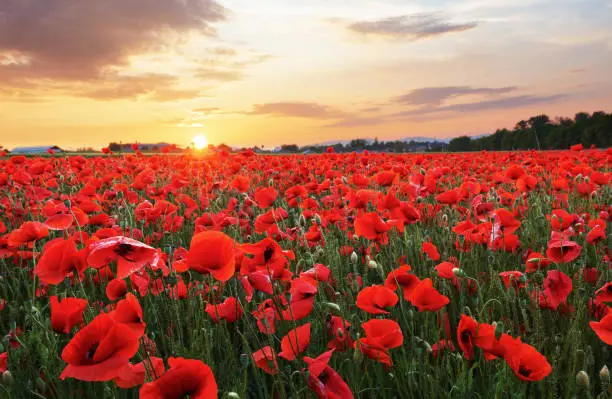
pixel 603 328
pixel 512 278
pixel 381 335
pixel 426 298
pixel 267 256
pixel 376 299
pixel 562 250
pixel 527 363
pixel 213 252
pixel 371 226
pixel 303 293
pixel 466 335
pixel 184 377
pixel 27 234
pixel 131 255
pixel 67 313
pixel 59 259
pixel 116 289
pixel 265 359
pixel 133 375
pixel 431 251
pixel 265 196
pixel 229 310
pixel 3 362
pixel 604 294
pixel 536 261
pixel 403 278
pixel 557 287
pixel 129 313
pixel 384 332
pixel 99 351
pixel 295 342
pixel 324 381
pixel 339 329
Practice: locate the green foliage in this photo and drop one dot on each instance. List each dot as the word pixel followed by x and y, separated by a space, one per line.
pixel 541 133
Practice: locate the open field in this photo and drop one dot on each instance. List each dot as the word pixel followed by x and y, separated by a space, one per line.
pixel 334 276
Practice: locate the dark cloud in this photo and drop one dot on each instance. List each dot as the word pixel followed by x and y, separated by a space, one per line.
pixel 437 95
pixel 75 48
pixel 499 103
pixel 413 27
pixel 67 39
pixel 298 110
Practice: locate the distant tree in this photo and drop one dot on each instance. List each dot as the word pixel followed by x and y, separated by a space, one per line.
pixel 114 147
pixel 290 148
pixel 460 144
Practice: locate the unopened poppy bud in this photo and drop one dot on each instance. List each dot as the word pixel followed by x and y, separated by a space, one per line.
pixel 67 203
pixel 354 257
pixel 233 395
pixel 604 376
pixel 458 272
pixel 302 221
pixel 499 330
pixel 582 379
pixel 317 219
pixel 355 237
pixel 445 218
pixel 357 355
pixel 7 378
pixel 332 306
pixel 410 315
pixel 340 333
pixel 372 264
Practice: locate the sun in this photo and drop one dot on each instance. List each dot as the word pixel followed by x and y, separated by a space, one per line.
pixel 200 142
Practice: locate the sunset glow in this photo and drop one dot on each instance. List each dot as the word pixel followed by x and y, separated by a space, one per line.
pixel 273 72
pixel 200 142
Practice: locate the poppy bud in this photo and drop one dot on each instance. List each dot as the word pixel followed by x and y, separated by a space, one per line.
pixel 332 306
pixel 582 379
pixel 499 330
pixel 340 333
pixel 458 272
pixel 7 378
pixel 302 221
pixel 233 395
pixel 68 204
pixel 372 264
pixel 357 355
pixel 354 257
pixel 410 315
pixel 355 237
pixel 317 219
pixel 604 376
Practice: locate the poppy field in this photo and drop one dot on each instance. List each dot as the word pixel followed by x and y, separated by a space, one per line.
pixel 371 275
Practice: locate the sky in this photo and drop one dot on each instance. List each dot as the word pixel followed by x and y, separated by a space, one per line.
pixel 271 72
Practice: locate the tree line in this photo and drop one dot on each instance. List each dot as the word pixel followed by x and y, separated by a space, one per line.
pixel 540 132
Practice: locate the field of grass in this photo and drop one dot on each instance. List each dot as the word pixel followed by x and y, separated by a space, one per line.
pixel 475 275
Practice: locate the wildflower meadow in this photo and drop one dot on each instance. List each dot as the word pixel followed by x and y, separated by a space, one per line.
pixel 357 275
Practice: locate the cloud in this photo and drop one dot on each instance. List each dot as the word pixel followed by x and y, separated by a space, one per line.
pixel 355 121
pixel 66 39
pixel 413 27
pixel 437 95
pixel 499 103
pixel 298 110
pixel 82 48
